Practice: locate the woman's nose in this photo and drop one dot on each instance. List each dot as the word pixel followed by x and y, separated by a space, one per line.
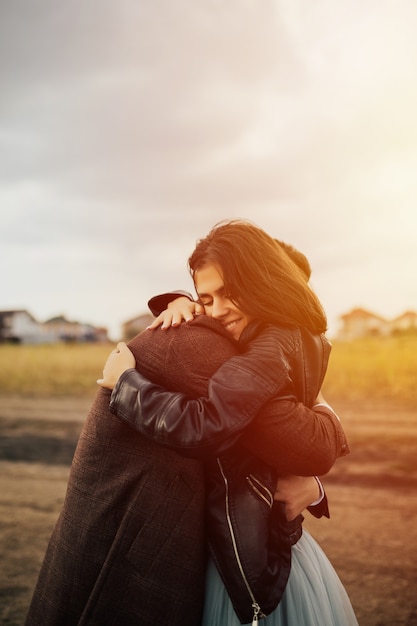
pixel 219 308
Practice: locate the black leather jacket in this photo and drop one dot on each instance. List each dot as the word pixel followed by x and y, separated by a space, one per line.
pixel 249 537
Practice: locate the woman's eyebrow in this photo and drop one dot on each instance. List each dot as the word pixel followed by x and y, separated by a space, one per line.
pixel 219 291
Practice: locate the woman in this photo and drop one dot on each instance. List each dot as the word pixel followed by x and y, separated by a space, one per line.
pixel 245 280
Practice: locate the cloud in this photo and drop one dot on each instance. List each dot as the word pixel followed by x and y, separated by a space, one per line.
pixel 128 129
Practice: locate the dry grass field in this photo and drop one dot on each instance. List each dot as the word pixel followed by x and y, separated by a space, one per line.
pixel 371 537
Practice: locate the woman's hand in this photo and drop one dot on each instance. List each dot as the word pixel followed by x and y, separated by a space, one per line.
pixel 297 492
pixel 119 360
pixel 180 309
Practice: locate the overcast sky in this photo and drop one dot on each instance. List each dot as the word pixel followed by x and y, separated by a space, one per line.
pixel 129 128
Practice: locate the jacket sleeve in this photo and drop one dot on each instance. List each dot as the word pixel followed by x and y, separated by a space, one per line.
pixel 237 392
pixel 321 509
pixel 210 425
pixel 159 303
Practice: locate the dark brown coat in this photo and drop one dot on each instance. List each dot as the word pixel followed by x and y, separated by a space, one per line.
pixel 129 545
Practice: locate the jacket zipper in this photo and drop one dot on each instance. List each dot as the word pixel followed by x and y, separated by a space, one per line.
pixel 262 491
pixel 256 608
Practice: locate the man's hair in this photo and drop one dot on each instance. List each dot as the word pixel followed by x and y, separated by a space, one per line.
pixel 298 257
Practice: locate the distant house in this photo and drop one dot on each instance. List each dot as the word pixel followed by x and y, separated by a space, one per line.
pixel 136 325
pixel 405 322
pixel 59 329
pixel 19 326
pixel 361 323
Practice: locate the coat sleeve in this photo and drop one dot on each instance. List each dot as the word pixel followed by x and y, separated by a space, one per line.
pixel 294 439
pixel 237 393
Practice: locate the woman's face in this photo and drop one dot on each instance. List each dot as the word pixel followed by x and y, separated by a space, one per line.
pixel 217 304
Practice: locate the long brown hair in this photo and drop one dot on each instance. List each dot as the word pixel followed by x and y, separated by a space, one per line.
pixel 259 276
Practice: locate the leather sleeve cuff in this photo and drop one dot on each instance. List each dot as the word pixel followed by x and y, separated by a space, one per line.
pixel 159 303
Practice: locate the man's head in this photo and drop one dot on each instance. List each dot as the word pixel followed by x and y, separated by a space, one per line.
pixel 183 358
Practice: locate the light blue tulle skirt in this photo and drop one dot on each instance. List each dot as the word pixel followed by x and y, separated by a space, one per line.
pixel 314 595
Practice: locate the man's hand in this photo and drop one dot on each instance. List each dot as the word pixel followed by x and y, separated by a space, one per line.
pixel 297 492
pixel 119 360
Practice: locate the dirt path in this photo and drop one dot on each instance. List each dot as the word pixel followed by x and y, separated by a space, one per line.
pixel 51 409
pixel 371 537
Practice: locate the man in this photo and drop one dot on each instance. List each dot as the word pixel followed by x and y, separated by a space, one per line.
pixel 129 545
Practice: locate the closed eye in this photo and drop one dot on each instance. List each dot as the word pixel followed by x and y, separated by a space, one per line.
pixel 206 301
